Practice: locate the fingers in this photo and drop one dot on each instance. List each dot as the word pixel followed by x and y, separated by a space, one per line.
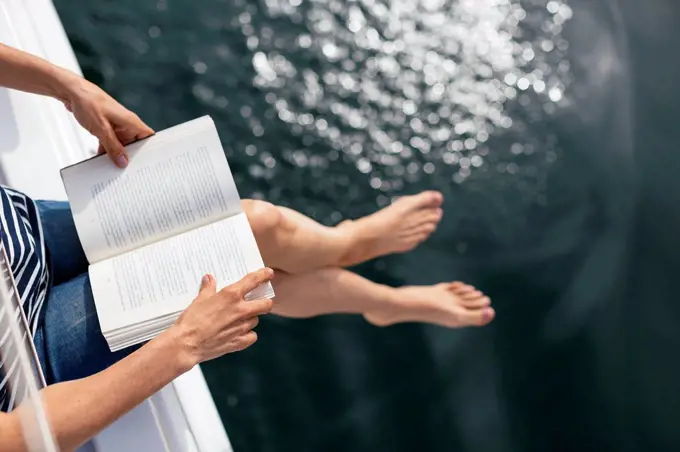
pixel 142 130
pixel 230 344
pixel 109 141
pixel 122 132
pixel 250 324
pixel 258 307
pixel 251 281
pixel 208 287
pixel 246 341
pixel 237 330
pixel 244 326
pixel 130 122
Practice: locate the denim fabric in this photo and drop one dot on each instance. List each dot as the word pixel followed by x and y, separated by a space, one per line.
pixel 69 341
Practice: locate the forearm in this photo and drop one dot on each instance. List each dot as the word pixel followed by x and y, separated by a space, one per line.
pixel 25 72
pixel 78 410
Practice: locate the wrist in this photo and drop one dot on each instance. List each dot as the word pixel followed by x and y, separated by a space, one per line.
pixel 63 84
pixel 178 341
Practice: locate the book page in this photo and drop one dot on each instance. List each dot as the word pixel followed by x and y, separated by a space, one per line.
pixel 176 180
pixel 164 277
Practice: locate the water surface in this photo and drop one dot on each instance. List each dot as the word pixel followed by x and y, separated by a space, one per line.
pixel 521 113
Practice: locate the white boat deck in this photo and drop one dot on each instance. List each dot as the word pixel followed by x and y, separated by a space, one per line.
pixel 37 138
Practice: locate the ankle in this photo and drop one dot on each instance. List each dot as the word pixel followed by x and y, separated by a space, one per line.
pixel 390 298
pixel 387 310
pixel 354 242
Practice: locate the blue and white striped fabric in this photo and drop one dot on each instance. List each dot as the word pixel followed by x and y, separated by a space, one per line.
pixel 22 237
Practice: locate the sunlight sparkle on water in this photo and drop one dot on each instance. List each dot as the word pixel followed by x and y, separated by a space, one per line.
pixel 407 91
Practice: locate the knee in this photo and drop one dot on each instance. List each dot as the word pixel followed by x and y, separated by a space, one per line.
pixel 263 217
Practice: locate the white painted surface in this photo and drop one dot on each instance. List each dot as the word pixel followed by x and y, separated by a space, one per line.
pixel 37 138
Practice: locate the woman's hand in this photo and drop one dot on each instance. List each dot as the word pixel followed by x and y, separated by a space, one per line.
pixel 217 323
pixel 214 324
pixel 114 125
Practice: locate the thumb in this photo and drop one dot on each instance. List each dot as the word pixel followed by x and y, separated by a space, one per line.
pixel 109 141
pixel 208 287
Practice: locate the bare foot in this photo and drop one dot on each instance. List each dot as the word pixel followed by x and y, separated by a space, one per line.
pixel 397 228
pixel 453 305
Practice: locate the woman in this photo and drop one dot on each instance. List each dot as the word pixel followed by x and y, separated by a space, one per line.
pixel 50 270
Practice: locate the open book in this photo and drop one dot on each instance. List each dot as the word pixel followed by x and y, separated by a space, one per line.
pixel 151 231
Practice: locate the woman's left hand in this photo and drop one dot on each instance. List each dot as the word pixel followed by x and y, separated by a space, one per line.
pixel 114 125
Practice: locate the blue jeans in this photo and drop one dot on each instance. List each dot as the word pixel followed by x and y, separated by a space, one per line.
pixel 69 341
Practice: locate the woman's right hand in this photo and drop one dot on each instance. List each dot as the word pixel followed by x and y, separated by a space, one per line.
pixel 217 323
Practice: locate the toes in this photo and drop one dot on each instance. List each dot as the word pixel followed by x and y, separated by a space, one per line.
pixel 428 220
pixel 469 296
pixel 427 228
pixel 435 215
pixel 473 295
pixel 419 235
pixel 417 220
pixel 423 229
pixel 477 303
pixel 476 317
pixel 432 217
pixel 436 197
pixel 428 199
pixel 462 289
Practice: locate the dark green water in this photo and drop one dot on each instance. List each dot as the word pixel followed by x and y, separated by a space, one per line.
pixel 550 128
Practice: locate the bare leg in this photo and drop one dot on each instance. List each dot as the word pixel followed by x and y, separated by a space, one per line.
pixel 294 243
pixel 304 252
pixel 334 291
